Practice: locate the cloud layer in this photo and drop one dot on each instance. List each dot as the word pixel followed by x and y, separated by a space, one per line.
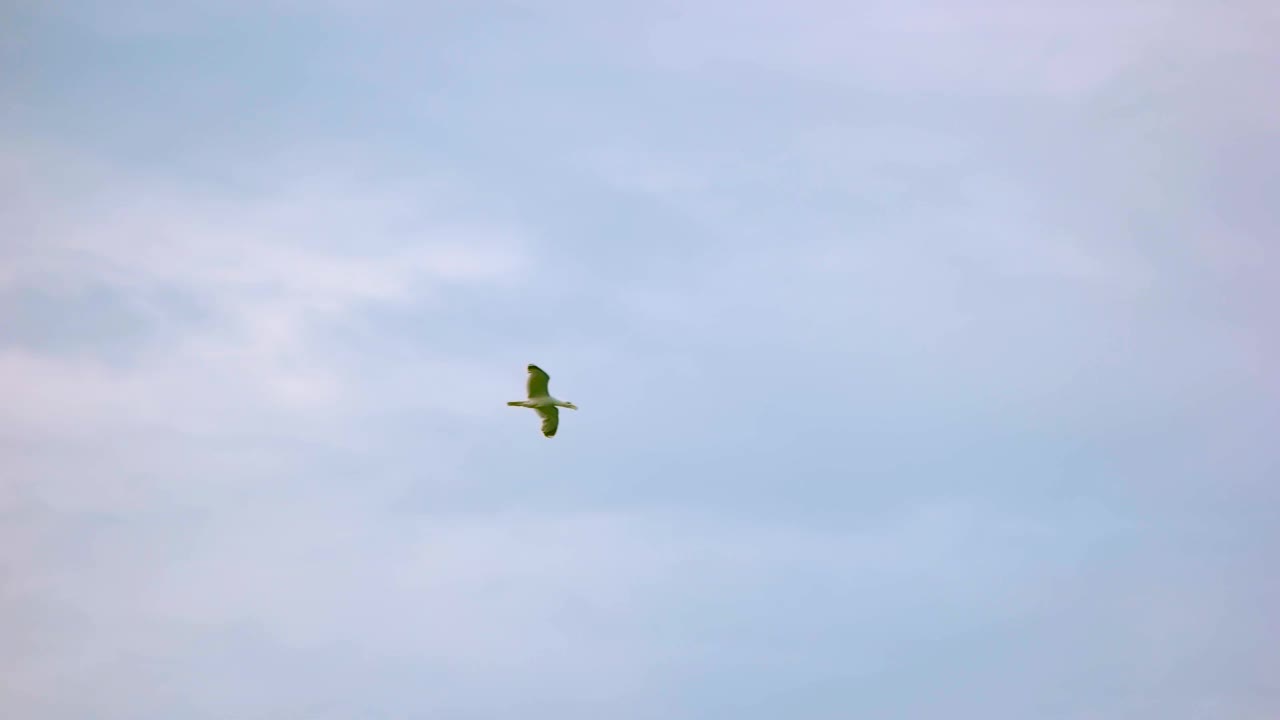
pixel 924 352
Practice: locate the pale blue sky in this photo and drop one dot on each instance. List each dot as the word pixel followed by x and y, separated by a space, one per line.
pixel 925 351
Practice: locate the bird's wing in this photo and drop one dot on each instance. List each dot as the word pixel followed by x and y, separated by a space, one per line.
pixel 550 419
pixel 538 382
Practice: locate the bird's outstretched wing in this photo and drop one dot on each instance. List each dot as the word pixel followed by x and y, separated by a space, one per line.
pixel 550 420
pixel 538 382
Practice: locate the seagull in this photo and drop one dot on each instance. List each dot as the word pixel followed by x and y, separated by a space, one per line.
pixel 541 400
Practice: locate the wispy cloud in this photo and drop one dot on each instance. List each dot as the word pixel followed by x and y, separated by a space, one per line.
pixel 924 355
pixel 264 273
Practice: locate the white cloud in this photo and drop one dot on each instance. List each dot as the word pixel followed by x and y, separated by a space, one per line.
pixel 221 407
pixel 1047 50
pixel 214 399
pixel 584 603
pixel 256 504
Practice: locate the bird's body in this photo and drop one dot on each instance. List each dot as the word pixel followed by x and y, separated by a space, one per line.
pixel 540 399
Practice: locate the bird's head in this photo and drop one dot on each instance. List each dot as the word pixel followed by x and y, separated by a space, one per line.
pixel 571 406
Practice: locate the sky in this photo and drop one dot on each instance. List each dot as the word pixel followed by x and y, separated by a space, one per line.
pixel 926 355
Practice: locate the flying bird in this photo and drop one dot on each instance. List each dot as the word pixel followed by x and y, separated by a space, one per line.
pixel 540 399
